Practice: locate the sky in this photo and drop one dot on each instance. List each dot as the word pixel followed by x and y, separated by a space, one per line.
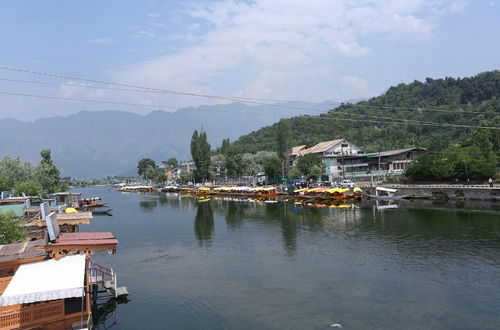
pixel 311 51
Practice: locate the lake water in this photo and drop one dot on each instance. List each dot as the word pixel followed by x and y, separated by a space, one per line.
pixel 240 265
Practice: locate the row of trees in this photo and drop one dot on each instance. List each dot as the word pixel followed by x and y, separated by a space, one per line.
pixel 33 180
pixel 455 163
pixel 43 178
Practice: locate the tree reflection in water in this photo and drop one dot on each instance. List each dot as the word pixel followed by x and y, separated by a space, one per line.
pixel 204 224
pixel 149 205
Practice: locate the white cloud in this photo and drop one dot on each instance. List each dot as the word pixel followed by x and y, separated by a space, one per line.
pixel 355 82
pixel 283 47
pixel 101 40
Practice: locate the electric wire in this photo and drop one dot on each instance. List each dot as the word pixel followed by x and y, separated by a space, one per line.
pixel 136 88
pixel 395 121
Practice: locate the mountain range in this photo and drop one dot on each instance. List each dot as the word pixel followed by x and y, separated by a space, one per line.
pixel 101 143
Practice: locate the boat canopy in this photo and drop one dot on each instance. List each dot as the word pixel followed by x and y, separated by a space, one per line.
pixel 46 280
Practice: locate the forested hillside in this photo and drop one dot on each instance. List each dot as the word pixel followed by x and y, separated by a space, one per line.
pixel 415 114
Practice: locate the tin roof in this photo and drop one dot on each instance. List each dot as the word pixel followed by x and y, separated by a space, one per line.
pixel 393 152
pixel 19 251
pixel 297 151
pixel 89 239
pixel 322 146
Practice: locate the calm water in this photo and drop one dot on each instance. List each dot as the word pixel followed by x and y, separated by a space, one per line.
pixel 239 265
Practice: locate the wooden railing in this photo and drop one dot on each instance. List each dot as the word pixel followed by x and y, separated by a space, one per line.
pixel 32 315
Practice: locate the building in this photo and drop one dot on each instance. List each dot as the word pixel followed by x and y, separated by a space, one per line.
pixel 343 159
pixel 393 161
pixel 333 153
pixel 296 153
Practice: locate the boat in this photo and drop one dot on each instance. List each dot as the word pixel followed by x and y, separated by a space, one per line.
pixel 386 194
pixel 102 212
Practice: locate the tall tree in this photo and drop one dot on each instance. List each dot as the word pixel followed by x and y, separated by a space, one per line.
pixel 284 143
pixel 48 174
pixel 200 152
pixel 224 146
pixel 234 161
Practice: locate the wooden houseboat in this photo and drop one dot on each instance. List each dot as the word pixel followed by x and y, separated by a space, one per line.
pixel 49 283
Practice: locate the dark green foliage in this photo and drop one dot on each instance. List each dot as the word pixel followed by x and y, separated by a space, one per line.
pixel 459 96
pixel 234 161
pixel 32 180
pixel 172 162
pixel 315 172
pixel 11 228
pixel 454 164
pixel 307 162
pixel 48 174
pixel 200 152
pixel 272 168
pixel 294 173
pixel 29 187
pixel 144 164
pixel 284 142
pixel 224 146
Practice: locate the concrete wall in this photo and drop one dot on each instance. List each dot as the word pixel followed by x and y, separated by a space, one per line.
pixel 445 192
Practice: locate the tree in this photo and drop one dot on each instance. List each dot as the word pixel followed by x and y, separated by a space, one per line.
pixel 315 172
pixel 218 165
pixel 48 174
pixel 234 161
pixel 11 228
pixel 143 165
pixel 224 146
pixel 186 176
pixel 294 173
pixel 29 187
pixel 13 171
pixel 453 163
pixel 172 162
pixel 307 162
pixel 200 152
pixel 284 142
pixel 272 168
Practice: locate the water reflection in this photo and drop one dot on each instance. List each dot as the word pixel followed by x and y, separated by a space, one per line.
pixel 299 266
pixel 149 205
pixel 204 224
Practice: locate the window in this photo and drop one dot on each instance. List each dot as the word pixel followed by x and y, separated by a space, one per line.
pixel 74 305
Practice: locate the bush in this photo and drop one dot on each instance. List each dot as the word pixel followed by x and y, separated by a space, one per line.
pixel 11 228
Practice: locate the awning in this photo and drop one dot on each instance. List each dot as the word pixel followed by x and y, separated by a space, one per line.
pixel 46 280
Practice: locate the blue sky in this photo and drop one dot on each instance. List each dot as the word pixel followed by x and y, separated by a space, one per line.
pixel 283 49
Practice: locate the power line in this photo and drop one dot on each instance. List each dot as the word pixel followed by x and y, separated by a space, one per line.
pixel 139 90
pixel 418 109
pixel 398 121
pixel 170 107
pixel 136 88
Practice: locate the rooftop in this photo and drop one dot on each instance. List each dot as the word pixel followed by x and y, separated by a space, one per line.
pixel 19 251
pixel 393 152
pixel 323 146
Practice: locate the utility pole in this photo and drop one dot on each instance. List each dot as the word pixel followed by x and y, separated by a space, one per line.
pixel 343 164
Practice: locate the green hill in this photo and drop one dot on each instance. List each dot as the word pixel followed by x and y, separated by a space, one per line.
pixel 470 101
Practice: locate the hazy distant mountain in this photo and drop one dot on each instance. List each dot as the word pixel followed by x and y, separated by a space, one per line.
pixel 92 144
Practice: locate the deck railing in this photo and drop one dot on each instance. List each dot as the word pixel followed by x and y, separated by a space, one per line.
pixel 32 314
